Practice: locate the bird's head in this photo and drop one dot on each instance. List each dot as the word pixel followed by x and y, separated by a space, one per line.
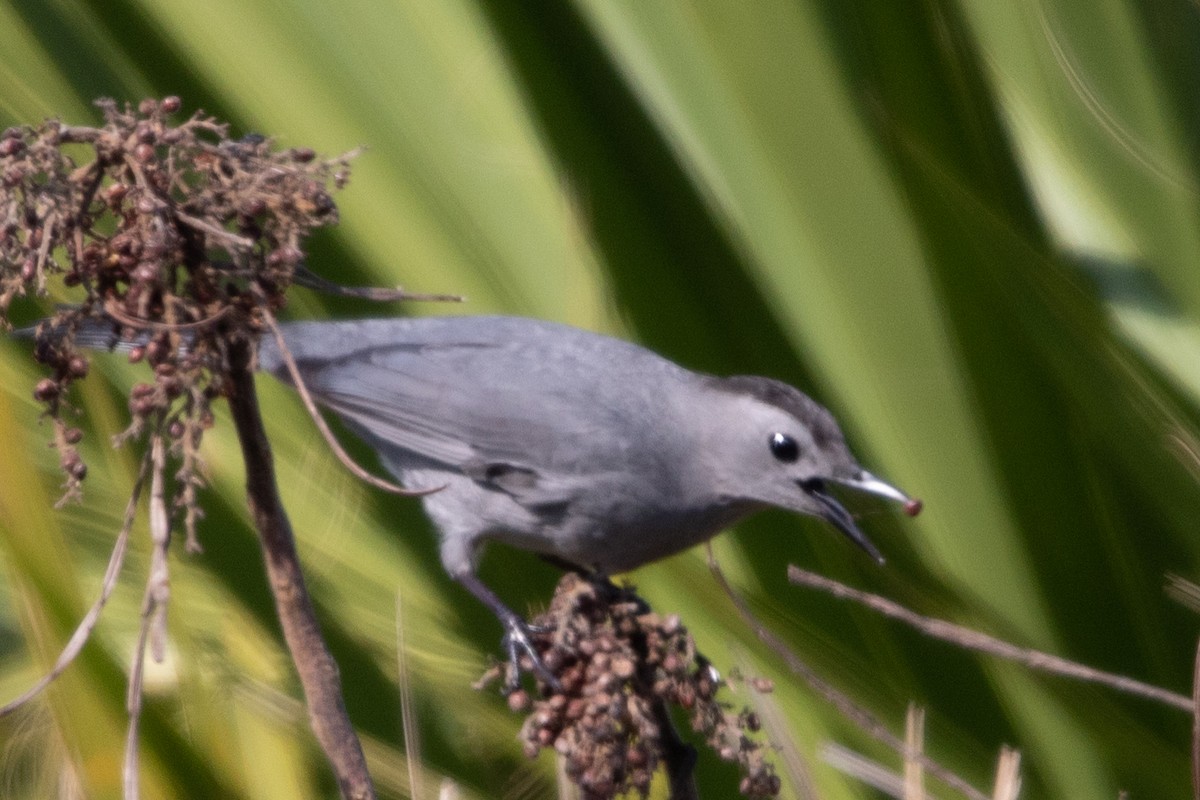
pixel 767 443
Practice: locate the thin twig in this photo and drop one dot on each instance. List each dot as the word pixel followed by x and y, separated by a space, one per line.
pixel 317 670
pixel 311 280
pixel 228 239
pixel 112 309
pixel 323 427
pixel 86 625
pixel 865 720
pixel 974 640
pixel 47 239
pixel 158 582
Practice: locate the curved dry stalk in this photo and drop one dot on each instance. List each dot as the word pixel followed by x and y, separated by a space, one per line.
pixel 323 427
pixel 862 718
pixel 981 642
pixel 114 311
pixel 133 706
pixel 86 625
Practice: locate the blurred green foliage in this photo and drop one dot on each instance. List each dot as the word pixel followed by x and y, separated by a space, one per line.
pixel 968 227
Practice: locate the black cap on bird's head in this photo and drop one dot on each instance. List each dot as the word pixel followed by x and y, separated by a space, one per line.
pixel 795 451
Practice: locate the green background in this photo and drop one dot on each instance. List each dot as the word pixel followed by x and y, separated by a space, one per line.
pixel 970 228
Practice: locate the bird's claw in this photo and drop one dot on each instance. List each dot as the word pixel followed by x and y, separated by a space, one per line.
pixel 517 642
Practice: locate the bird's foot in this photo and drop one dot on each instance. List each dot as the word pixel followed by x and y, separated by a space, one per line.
pixel 517 642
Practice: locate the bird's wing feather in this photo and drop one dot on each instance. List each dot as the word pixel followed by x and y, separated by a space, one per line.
pixel 445 393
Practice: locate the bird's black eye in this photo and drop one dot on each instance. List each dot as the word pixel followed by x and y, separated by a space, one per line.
pixel 784 447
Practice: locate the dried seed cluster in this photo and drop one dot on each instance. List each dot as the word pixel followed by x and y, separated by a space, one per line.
pixel 620 665
pixel 178 238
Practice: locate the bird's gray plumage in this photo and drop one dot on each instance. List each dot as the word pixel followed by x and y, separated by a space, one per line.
pixel 577 445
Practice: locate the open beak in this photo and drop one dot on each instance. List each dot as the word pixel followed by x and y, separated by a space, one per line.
pixel 836 513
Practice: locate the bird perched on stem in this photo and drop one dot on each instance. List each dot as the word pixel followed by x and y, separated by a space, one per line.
pixel 589 450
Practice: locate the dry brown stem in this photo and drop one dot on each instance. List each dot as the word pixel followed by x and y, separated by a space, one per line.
pixel 181 240
pixel 861 717
pixel 318 671
pixel 981 642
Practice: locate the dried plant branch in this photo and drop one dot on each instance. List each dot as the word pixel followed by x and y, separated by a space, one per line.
pixel 86 625
pixel 981 642
pixel 865 720
pixel 616 670
pixel 310 280
pixel 115 311
pixel 315 665
pixel 184 243
pixel 679 757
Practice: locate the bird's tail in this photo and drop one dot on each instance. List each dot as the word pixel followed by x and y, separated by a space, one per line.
pixel 92 333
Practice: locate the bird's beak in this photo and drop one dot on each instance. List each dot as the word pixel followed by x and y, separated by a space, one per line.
pixel 836 513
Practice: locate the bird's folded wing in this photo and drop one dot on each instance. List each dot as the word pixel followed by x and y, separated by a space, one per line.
pixel 435 406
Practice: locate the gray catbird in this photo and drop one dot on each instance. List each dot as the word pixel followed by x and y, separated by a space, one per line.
pixel 584 448
pixel 589 450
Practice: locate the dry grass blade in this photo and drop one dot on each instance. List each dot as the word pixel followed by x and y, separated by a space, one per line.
pixel 153 627
pixel 1184 592
pixel 864 719
pixel 408 716
pixel 83 632
pixel 1008 775
pixel 981 642
pixel 863 769
pixel 914 749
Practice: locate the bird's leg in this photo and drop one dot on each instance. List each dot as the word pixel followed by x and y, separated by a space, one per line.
pixel 516 634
